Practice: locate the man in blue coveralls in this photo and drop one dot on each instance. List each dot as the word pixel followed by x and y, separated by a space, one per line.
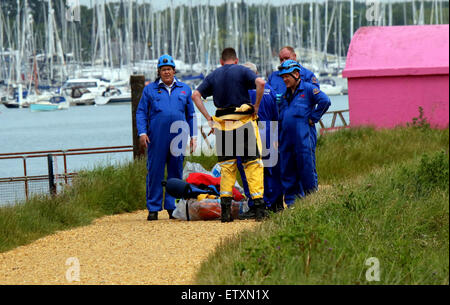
pixel 267 113
pixel 301 107
pixel 276 81
pixel 164 102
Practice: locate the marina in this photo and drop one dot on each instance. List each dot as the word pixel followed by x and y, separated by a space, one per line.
pixel 45 44
pixel 65 78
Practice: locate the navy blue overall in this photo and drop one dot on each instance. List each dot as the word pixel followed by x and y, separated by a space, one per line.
pixel 298 139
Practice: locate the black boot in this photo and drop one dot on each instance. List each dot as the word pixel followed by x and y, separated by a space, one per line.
pixel 225 205
pixel 273 207
pixel 170 212
pixel 152 216
pixel 260 209
pixel 279 204
pixel 250 214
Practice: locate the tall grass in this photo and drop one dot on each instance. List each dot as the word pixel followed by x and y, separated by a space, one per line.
pixel 395 214
pixel 356 151
pixel 388 199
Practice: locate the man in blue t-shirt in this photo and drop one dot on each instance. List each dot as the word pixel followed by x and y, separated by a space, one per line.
pixel 235 127
pixel 276 81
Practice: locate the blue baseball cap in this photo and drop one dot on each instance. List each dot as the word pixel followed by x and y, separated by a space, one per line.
pixel 166 60
pixel 288 66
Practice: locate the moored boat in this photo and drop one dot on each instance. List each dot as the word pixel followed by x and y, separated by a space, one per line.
pixel 53 103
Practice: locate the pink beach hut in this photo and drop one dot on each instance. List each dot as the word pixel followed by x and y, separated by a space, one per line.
pixel 392 71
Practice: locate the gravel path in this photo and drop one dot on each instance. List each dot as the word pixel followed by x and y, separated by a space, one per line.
pixel 119 249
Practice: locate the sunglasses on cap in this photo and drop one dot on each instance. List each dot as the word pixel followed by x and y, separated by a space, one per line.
pixel 292 65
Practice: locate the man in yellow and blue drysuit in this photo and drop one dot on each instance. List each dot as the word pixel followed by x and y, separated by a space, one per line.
pixel 164 102
pixel 301 107
pixel 235 128
pixel 268 128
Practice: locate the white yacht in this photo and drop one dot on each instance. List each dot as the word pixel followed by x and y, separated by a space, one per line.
pixel 94 85
pixel 78 96
pixel 114 95
pixel 329 86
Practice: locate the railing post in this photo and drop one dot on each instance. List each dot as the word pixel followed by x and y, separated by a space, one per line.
pixel 25 175
pixel 137 83
pixel 65 166
pixel 51 176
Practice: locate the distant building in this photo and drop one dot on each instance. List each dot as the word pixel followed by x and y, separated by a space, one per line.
pixel 394 70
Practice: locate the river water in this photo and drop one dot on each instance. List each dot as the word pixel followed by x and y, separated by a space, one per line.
pixel 78 127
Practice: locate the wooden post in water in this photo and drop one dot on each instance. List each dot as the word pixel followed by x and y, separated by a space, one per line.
pixel 137 83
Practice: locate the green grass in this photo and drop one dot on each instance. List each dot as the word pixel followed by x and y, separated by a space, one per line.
pixel 352 152
pixel 389 199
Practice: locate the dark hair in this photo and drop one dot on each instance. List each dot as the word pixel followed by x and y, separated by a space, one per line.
pixel 158 77
pixel 228 53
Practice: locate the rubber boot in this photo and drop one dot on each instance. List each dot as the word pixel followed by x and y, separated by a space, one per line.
pixel 272 207
pixel 152 216
pixel 225 205
pixel 279 204
pixel 250 214
pixel 260 209
pixel 170 212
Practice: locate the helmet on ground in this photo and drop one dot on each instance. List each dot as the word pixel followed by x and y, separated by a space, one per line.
pixel 166 60
pixel 288 66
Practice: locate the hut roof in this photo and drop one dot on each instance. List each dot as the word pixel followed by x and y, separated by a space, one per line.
pixel 398 50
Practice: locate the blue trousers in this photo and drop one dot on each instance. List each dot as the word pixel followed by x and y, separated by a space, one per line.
pixel 158 157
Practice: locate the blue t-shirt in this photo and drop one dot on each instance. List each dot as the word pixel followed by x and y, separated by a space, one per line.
pixel 229 86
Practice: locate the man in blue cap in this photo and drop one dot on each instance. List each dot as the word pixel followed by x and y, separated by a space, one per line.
pixel 301 107
pixel 164 102
pixel 277 83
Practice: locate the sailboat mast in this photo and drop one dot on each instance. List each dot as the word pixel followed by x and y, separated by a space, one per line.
pixel 352 6
pixel 130 32
pixel 18 46
pixel 172 28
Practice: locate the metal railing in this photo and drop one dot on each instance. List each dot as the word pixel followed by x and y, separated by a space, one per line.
pixel 6 183
pixel 333 126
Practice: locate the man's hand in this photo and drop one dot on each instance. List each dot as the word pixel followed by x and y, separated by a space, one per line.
pixel 193 144
pixel 260 83
pixel 256 109
pixel 311 123
pixel 211 125
pixel 143 140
